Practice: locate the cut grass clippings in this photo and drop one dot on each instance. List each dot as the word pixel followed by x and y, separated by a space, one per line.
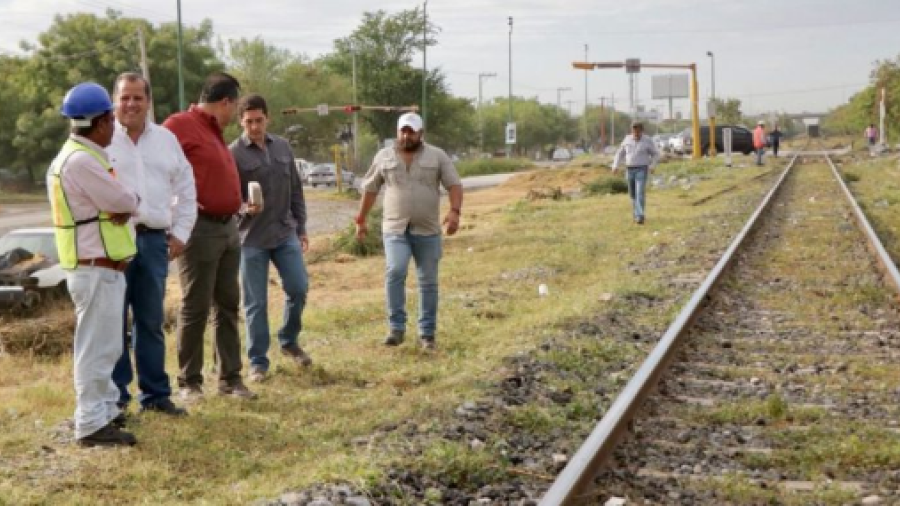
pixel 300 431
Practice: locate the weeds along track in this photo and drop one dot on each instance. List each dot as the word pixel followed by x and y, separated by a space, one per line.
pixel 784 389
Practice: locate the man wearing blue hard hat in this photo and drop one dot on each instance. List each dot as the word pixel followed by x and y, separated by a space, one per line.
pixel 90 210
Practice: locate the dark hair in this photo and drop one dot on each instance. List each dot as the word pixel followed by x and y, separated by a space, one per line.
pixel 95 122
pixel 252 102
pixel 131 77
pixel 219 86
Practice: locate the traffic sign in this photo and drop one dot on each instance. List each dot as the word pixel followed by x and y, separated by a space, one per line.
pixel 510 133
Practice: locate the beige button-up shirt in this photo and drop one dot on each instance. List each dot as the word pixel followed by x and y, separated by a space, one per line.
pixel 412 194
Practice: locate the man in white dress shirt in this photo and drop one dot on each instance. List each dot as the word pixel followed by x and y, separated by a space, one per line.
pixel 641 156
pixel 149 159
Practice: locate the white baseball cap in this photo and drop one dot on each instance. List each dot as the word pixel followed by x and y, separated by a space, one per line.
pixel 760 122
pixel 411 120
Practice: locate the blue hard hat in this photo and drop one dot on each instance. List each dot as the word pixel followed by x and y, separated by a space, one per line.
pixel 85 101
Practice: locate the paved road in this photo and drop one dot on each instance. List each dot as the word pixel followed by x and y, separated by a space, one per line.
pixel 325 216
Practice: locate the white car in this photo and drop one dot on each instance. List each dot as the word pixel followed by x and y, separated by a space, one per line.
pixel 677 144
pixel 561 155
pixel 303 168
pixel 325 174
pixel 29 265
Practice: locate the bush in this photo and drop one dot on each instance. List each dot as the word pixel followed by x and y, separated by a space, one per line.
pixel 485 166
pixel 851 177
pixel 606 185
pixel 346 241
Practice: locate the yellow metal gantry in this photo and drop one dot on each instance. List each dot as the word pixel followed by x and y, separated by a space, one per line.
pixel 695 95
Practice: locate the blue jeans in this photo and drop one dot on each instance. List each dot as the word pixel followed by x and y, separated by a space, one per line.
pixel 146 289
pixel 288 260
pixel 426 249
pixel 759 155
pixel 637 184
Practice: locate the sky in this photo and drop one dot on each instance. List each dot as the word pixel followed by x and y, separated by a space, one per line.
pixel 774 55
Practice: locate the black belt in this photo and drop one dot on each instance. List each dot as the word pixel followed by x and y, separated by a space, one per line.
pixel 144 229
pixel 218 218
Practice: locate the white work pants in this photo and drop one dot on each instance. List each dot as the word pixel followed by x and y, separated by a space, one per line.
pixel 99 297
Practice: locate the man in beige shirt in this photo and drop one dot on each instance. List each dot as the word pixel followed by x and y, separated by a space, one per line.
pixel 412 173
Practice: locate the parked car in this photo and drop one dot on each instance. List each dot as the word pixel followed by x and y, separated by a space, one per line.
pixel 662 141
pixel 676 143
pixel 741 139
pixel 325 174
pixel 29 267
pixel 561 155
pixel 303 168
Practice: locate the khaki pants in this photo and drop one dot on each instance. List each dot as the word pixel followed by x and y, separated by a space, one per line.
pixel 208 271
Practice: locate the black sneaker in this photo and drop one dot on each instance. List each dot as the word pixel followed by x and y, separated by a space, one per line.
pixel 395 338
pixel 165 406
pixel 121 420
pixel 109 435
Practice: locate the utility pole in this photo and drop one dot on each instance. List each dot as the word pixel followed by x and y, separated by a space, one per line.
pixel 145 70
pixel 481 78
pixel 510 120
pixel 424 62
pixel 558 101
pixel 602 123
pixel 180 63
pixel 355 113
pixel 585 118
pixel 570 102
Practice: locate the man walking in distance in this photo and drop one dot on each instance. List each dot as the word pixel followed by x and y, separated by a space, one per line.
pixel 208 267
pixel 412 173
pixel 276 233
pixel 150 161
pixel 640 155
pixel 90 211
pixel 759 141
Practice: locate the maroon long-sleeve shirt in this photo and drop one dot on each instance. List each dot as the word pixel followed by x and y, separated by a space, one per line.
pixel 215 173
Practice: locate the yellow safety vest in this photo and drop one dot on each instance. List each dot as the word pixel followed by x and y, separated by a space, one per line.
pixel 117 240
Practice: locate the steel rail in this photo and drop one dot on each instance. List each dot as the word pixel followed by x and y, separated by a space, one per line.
pixel 576 477
pixel 884 259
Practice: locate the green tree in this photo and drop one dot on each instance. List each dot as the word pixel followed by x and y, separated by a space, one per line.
pixel 84 47
pixel 385 46
pixel 728 111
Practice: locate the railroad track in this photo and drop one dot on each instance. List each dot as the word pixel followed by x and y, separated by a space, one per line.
pixel 777 383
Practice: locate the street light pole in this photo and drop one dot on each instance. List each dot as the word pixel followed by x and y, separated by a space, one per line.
pixel 510 120
pixel 180 63
pixel 481 78
pixel 711 109
pixel 355 113
pixel 424 62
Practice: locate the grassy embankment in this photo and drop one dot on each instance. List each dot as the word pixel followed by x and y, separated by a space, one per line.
pixel 300 429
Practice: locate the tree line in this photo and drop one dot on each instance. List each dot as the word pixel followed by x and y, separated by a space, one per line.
pixel 85 47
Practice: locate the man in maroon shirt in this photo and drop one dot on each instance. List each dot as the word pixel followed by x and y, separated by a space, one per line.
pixel 208 268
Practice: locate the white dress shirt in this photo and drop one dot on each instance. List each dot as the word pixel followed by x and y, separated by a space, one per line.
pixel 637 153
pixel 155 167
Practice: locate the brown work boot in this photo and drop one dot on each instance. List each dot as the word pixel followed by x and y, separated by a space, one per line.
pixel 395 338
pixel 109 435
pixel 236 389
pixel 297 354
pixel 427 343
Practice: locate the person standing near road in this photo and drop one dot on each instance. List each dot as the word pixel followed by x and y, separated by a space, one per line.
pixel 871 135
pixel 90 210
pixel 640 156
pixel 759 141
pixel 412 173
pixel 150 161
pixel 275 233
pixel 208 267
pixel 775 137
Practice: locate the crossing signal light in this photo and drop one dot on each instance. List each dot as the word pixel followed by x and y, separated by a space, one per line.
pixel 352 108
